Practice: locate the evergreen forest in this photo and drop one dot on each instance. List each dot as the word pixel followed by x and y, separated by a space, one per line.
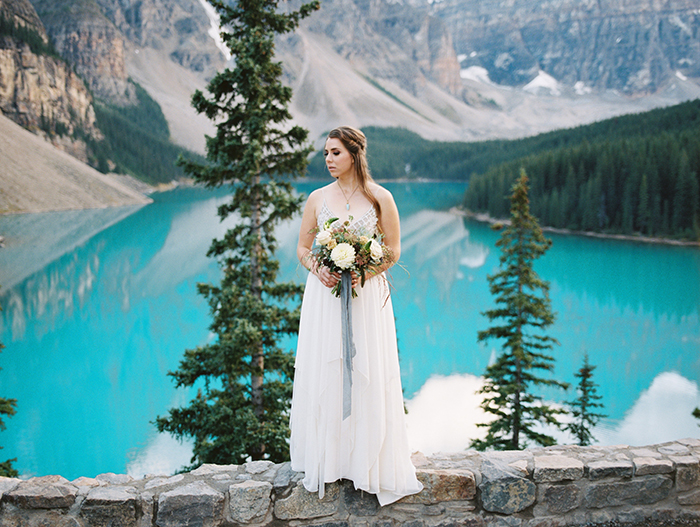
pixel 636 173
pixel 136 141
pixel 28 35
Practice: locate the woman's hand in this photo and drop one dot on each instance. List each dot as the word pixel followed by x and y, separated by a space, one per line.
pixel 326 277
pixel 330 279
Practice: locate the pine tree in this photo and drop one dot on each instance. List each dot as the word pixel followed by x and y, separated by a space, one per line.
pixel 582 408
pixel 7 407
pixel 524 310
pixel 244 377
pixel 696 413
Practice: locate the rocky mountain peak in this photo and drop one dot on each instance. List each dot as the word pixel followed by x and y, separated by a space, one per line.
pixel 38 90
pixel 632 46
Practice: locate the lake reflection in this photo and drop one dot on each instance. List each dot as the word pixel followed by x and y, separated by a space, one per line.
pixel 100 305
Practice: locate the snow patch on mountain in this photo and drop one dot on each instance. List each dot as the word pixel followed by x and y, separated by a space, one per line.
pixel 215 29
pixel 543 82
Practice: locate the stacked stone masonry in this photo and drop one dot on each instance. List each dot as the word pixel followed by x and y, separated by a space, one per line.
pixel 558 486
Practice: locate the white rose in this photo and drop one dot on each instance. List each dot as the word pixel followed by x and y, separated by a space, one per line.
pixel 324 237
pixel 343 255
pixel 375 250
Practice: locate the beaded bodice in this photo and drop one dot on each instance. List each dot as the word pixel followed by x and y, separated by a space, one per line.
pixel 365 224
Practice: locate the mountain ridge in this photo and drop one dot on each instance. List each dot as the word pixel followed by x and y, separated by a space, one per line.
pixel 456 70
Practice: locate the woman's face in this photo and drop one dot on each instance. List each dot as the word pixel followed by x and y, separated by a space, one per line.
pixel 338 159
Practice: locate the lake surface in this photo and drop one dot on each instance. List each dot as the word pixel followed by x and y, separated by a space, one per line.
pixel 99 305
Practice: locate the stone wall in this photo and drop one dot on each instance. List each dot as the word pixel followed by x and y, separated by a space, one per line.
pixel 558 486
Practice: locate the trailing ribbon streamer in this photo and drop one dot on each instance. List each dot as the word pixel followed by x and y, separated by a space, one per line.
pixel 349 350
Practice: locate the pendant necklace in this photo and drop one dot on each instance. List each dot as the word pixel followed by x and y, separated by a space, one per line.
pixel 347 200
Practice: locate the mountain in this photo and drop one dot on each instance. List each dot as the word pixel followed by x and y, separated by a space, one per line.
pixel 448 70
pixel 37 177
pixel 633 46
pixel 461 69
pixel 38 89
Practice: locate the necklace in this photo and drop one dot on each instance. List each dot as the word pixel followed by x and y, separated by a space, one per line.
pixel 347 200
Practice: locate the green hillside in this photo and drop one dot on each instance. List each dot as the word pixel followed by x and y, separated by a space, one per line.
pixel 637 174
pixel 631 174
pixel 136 141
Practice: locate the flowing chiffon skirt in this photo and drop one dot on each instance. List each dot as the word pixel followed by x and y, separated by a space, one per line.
pixel 370 447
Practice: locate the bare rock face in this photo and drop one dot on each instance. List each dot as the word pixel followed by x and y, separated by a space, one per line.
pixel 178 26
pixel 391 40
pixel 632 46
pixel 40 91
pixel 22 13
pixel 91 44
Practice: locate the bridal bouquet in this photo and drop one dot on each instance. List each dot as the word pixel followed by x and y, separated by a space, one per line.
pixel 341 249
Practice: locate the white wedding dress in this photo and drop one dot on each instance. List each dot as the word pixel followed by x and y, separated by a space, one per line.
pixel 370 447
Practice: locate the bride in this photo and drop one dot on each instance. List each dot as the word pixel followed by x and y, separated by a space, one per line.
pixel 370 446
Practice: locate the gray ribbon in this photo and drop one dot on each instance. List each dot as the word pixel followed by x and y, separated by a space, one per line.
pixel 349 350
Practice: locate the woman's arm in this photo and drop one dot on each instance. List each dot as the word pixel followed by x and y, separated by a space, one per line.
pixel 306 234
pixel 306 242
pixel 390 226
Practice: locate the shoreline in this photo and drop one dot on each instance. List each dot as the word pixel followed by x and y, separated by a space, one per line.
pixel 486 218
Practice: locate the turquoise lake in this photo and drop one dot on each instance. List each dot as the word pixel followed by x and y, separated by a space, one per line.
pixel 99 305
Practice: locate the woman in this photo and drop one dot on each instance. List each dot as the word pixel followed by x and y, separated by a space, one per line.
pixel 370 446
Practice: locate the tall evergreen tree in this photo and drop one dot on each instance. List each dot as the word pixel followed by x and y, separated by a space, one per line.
pixel 583 407
pixel 523 313
pixel 244 376
pixel 7 407
pixel 696 413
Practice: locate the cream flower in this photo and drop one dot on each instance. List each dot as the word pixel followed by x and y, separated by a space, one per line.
pixel 343 255
pixel 364 240
pixel 375 250
pixel 324 237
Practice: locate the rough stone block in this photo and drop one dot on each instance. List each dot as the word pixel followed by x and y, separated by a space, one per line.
pixel 691 498
pixel 444 485
pixel 46 492
pixel 557 468
pixel 503 521
pixel 645 452
pixel 639 491
pixel 687 472
pixel 610 469
pixel 8 484
pixel 644 466
pixel 302 504
pixel 147 508
pixel 249 500
pixel 161 482
pixel 208 469
pixel 559 499
pixel 13 517
pixel 674 449
pixel 114 479
pixel 195 505
pixel 284 476
pixel 503 490
pixel 358 502
pixel 110 507
pixel 258 467
pixel 635 516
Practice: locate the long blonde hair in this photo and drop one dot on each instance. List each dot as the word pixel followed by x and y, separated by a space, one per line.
pixel 356 143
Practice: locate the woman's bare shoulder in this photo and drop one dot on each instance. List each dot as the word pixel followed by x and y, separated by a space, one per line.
pixel 315 197
pixel 382 194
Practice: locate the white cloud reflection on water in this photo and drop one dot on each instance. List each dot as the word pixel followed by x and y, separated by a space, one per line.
pixel 442 417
